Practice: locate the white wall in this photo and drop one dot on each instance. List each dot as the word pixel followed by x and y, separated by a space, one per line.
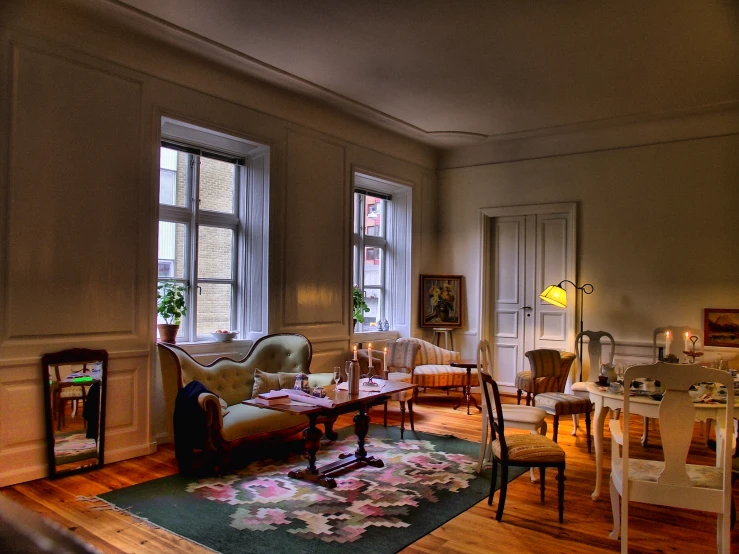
pixel 657 229
pixel 78 206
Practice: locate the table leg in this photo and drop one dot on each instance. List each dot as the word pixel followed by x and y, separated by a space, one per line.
pixel 312 437
pixel 467 396
pixel 600 417
pixel 361 427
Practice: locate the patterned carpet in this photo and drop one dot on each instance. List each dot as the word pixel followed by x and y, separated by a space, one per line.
pixel 426 481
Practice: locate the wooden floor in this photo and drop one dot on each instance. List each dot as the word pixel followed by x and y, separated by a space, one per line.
pixel 528 525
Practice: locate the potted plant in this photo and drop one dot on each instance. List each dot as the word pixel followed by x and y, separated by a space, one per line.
pixel 171 306
pixel 359 305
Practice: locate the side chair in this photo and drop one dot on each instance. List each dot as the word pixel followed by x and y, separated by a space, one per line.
pixel 596 358
pixel 672 482
pixel 519 450
pixel 527 418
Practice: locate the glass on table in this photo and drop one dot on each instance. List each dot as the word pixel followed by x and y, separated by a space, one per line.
pixel 337 375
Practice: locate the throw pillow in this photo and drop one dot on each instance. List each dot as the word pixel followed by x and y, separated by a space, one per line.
pixel 265 381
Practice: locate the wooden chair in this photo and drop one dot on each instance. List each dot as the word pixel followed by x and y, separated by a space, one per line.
pixel 520 450
pixel 516 417
pixel 399 367
pixel 596 358
pixel 551 364
pixel 672 482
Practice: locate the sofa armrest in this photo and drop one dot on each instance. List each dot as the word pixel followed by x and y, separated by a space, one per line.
pixel 211 405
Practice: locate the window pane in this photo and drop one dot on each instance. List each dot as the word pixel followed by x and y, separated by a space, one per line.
pixel 216 185
pixel 373 298
pixel 215 252
pixel 374 213
pixel 373 266
pixel 214 308
pixel 172 248
pixel 172 177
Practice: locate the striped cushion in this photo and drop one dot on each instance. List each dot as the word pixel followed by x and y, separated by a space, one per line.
pixel 430 354
pixel 403 395
pixel 530 448
pixel 402 355
pixel 543 384
pixel 434 375
pixel 559 403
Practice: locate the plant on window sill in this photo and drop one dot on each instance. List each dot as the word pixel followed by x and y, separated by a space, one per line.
pixel 171 306
pixel 359 305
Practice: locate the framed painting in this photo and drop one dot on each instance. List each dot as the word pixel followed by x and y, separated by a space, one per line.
pixel 442 300
pixel 721 327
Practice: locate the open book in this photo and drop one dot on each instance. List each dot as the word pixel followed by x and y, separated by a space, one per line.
pixel 293 397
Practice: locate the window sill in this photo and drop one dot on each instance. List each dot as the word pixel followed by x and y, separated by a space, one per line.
pixel 370 336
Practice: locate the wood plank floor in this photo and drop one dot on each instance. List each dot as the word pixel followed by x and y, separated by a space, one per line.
pixel 528 526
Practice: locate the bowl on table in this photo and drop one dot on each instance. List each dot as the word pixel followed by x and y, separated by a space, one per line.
pixel 224 336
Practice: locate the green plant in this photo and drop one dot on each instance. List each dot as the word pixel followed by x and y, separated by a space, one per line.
pixel 171 302
pixel 360 306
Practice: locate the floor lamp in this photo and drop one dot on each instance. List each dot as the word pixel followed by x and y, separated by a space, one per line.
pixel 557 296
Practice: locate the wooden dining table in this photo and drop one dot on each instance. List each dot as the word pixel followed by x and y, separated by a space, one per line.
pixel 645 406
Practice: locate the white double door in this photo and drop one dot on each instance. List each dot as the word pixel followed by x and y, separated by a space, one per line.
pixel 531 247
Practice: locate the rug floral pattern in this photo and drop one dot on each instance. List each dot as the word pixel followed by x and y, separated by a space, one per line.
pixel 265 498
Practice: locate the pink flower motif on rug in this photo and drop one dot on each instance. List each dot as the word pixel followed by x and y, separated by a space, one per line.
pixel 266 499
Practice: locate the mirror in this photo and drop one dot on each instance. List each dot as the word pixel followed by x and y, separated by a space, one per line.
pixel 74 399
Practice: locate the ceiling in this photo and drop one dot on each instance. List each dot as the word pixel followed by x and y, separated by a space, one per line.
pixel 452 72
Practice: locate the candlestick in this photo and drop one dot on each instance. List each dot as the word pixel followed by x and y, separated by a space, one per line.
pixel 369 354
pixel 355 352
pixel 384 362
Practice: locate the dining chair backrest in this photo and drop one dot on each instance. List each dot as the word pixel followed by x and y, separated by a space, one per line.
pixel 677 345
pixel 550 369
pixel 492 402
pixel 595 352
pixel 485 358
pixel 677 416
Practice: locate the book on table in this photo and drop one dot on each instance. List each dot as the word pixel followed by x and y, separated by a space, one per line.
pixel 272 399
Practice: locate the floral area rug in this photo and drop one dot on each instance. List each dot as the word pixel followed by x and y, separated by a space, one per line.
pixel 426 481
pixel 74 446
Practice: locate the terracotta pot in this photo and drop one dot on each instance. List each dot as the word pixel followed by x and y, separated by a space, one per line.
pixel 168 332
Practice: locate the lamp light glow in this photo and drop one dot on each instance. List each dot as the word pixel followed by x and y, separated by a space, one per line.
pixel 555 295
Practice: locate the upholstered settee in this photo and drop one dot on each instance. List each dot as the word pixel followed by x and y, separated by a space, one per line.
pixel 229 422
pixel 432 370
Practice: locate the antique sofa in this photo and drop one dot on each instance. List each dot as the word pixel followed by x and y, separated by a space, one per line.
pixel 228 422
pixel 432 370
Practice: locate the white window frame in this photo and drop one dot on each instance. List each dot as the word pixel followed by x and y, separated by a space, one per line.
pixel 396 245
pixel 249 262
pixel 362 241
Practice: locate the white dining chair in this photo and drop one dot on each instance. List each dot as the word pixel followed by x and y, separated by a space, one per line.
pixel 596 358
pixel 516 417
pixel 672 482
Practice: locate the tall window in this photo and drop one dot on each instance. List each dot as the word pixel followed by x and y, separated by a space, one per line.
pixel 371 253
pixel 199 234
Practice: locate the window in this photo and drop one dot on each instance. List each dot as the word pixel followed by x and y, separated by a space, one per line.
pixel 381 240
pixel 202 239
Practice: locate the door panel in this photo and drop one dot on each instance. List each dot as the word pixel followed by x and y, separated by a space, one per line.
pixel 551 268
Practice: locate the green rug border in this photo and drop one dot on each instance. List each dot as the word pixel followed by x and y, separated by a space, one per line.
pixel 423 520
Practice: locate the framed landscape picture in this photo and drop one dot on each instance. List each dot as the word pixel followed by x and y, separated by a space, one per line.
pixel 441 301
pixel 721 327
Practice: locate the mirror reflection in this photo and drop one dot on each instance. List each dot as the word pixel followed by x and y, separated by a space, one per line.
pixel 74 383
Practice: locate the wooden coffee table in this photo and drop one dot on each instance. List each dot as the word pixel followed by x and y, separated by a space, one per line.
pixel 343 403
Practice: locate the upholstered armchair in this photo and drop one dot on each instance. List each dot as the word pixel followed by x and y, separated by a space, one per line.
pixel 401 363
pixel 554 380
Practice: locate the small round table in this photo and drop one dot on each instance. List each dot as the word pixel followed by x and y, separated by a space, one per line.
pixel 468 365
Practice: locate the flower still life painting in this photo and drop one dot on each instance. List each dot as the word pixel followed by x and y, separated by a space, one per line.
pixel 441 301
pixel 721 327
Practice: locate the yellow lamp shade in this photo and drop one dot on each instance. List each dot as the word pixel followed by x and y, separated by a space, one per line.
pixel 555 295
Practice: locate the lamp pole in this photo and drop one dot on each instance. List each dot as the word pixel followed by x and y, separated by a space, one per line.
pixel 587 288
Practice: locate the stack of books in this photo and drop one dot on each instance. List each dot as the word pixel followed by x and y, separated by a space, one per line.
pixel 272 399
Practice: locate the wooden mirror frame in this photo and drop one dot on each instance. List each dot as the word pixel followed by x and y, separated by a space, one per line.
pixel 68 357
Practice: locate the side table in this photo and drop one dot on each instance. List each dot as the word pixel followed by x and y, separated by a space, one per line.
pixel 468 365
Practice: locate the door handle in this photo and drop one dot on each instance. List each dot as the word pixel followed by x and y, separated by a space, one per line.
pixel 525 308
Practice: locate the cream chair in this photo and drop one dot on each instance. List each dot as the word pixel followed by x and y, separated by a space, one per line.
pixel 553 382
pixel 399 365
pixel 516 417
pixel 672 482
pixel 596 358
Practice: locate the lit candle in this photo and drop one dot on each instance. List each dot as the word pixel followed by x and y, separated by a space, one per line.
pixel 668 340
pixel 687 338
pixel 369 355
pixel 355 352
pixel 384 362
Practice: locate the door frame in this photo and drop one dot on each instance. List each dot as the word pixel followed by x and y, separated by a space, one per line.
pixel 486 292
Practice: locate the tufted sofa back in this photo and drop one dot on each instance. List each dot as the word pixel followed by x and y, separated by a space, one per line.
pixel 232 380
pixel 430 354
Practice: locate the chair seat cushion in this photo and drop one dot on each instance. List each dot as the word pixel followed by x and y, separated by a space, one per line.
pixel 403 395
pixel 432 375
pixel 560 403
pixel 580 386
pixel 522 414
pixel 524 382
pixel 706 477
pixel 530 448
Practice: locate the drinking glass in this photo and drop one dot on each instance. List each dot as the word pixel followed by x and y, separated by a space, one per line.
pixel 337 375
